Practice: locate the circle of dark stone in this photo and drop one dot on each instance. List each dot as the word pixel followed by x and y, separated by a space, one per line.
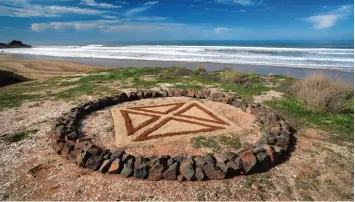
pixel 78 148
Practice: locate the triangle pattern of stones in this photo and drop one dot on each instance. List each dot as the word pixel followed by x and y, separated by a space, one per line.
pixel 159 109
pixel 135 120
pixel 195 111
pixel 172 126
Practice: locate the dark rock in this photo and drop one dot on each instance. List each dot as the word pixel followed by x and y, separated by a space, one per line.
pixel 156 94
pixel 141 171
pixel 17 44
pixel 127 170
pixel 187 169
pixel 126 157
pixel 105 166
pixel 283 141
pixel 261 156
pixel 190 93
pixel 216 97
pixel 164 93
pixel 115 154
pixel 177 92
pixel 147 94
pixel 212 172
pixel 248 160
pixel 230 155
pixel 233 165
pixel 220 158
pixel 170 162
pixel 60 132
pixel 132 96
pixel 172 172
pixel 199 175
pixel 205 94
pixel 156 172
pixel 95 161
pixel 227 100
pixel 225 168
pixel 209 158
pixel 140 94
pixel 200 162
pixel 237 103
pixel 198 95
pixel 72 136
pixel 258 150
pixel 260 143
pixel 115 167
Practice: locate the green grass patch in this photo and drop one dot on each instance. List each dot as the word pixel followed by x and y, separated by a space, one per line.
pixel 215 143
pixel 205 142
pixel 229 141
pixel 256 89
pixel 342 124
pixel 19 136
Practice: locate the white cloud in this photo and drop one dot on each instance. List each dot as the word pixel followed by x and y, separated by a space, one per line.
pixel 151 2
pixel 323 21
pixel 109 17
pixel 77 25
pixel 22 8
pixel 101 5
pixel 137 10
pixel 330 17
pixel 241 2
pixel 150 18
pixel 219 30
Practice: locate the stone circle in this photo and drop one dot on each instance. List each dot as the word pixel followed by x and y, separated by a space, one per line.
pixel 75 146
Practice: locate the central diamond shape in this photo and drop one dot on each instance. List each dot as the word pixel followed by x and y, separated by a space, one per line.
pixel 136 124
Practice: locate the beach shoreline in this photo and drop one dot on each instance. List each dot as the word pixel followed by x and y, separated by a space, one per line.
pixel 295 72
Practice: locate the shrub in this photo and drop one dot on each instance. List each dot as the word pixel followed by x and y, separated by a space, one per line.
pixel 231 75
pixel 201 69
pixel 317 92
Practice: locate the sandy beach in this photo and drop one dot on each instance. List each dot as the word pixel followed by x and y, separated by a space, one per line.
pixel 42 69
pixel 48 66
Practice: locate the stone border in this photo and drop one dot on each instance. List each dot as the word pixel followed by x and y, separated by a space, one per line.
pixel 71 144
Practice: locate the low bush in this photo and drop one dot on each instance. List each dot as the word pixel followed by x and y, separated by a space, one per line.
pixel 201 69
pixel 232 76
pixel 318 92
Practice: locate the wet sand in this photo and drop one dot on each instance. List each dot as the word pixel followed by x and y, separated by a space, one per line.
pixel 295 72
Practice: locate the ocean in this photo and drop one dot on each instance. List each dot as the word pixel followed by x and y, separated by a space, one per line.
pixel 328 55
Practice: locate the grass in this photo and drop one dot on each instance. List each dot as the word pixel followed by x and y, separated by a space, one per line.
pixel 341 124
pixel 229 141
pixel 205 142
pixel 256 89
pixel 215 143
pixel 19 136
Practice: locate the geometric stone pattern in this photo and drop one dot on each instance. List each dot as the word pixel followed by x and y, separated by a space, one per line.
pixel 76 147
pixel 156 121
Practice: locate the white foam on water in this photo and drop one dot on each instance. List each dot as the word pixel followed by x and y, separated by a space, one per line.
pixel 321 58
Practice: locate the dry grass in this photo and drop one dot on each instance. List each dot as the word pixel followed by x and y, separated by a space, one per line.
pixel 231 75
pixel 200 69
pixel 318 92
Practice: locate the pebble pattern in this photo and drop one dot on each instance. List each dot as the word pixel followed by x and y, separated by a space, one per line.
pixel 76 147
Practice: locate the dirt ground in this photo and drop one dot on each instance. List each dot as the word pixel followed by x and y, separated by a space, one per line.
pixel 318 169
pixel 42 69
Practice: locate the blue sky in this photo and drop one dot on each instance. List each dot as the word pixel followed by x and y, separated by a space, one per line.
pixel 82 21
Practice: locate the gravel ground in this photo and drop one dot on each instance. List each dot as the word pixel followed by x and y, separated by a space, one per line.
pixel 29 169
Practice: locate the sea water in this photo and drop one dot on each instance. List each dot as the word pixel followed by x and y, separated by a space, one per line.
pixel 333 55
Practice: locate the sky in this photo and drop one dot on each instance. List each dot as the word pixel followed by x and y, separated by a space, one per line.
pixel 85 21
